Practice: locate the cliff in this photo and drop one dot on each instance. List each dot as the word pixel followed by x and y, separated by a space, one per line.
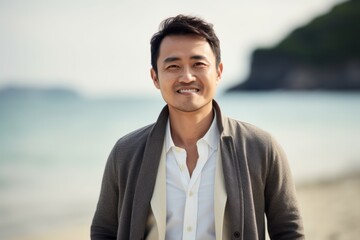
pixel 324 54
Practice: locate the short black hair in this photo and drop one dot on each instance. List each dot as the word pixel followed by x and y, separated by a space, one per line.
pixel 184 25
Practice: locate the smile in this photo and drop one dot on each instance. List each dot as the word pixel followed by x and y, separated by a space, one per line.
pixel 190 90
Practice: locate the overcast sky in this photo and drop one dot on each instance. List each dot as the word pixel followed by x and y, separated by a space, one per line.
pixel 101 47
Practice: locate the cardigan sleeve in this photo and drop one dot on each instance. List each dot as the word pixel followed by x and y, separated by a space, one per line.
pixel 105 221
pixel 281 207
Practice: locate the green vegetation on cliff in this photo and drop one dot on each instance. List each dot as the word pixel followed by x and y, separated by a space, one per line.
pixel 329 38
pixel 323 55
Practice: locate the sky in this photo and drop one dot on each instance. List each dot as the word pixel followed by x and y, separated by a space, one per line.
pixel 101 47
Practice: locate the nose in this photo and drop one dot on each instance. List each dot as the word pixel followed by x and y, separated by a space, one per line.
pixel 187 76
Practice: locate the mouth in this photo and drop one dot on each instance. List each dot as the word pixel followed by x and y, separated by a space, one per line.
pixel 187 90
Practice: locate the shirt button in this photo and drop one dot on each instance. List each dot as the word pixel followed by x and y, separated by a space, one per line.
pixel 191 194
pixel 189 228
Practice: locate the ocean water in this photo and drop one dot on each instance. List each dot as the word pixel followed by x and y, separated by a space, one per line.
pixel 53 149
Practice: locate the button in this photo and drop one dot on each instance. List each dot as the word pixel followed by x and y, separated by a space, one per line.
pixel 236 234
pixel 189 228
pixel 191 193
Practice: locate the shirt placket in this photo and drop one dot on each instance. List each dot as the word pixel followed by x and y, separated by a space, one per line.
pixel 192 190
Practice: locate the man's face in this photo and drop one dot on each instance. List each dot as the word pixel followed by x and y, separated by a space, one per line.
pixel 187 73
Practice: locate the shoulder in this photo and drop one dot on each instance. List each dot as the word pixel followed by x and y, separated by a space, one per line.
pixel 245 131
pixel 261 151
pixel 133 139
pixel 252 138
pixel 128 151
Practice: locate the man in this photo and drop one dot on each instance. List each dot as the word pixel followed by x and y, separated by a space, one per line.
pixel 194 174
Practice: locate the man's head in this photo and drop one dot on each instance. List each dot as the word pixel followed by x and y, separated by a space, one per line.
pixel 184 25
pixel 186 65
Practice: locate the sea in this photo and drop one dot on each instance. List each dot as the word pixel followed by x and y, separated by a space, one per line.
pixel 53 149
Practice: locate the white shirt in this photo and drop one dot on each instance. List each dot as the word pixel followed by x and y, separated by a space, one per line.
pixel 190 201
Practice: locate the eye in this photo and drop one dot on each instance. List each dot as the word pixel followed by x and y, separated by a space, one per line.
pixel 200 64
pixel 172 67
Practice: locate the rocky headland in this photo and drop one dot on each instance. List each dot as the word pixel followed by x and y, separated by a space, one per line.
pixel 322 55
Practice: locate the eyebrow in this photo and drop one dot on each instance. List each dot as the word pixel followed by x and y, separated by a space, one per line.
pixel 173 59
pixel 198 57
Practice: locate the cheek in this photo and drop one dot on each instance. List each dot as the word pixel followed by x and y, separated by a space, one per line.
pixel 163 85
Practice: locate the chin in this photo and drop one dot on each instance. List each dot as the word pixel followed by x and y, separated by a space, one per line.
pixel 191 107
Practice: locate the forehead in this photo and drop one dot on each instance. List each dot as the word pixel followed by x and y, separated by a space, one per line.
pixel 184 46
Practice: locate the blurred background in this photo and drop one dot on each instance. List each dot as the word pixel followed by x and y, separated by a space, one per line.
pixel 74 78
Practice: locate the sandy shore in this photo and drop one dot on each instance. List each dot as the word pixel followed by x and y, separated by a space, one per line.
pixel 331 211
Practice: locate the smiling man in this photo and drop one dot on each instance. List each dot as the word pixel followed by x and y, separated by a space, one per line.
pixel 195 174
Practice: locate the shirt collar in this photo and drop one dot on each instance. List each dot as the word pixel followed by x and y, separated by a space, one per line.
pixel 211 137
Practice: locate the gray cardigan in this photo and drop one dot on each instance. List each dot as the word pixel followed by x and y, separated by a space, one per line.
pixel 256 173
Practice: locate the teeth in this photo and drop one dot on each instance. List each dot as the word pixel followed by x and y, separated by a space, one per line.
pixel 187 90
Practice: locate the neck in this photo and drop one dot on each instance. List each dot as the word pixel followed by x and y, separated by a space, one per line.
pixel 188 127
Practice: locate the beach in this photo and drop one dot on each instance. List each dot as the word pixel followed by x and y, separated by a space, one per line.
pixel 330 209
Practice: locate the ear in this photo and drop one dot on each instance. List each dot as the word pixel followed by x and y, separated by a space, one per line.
pixel 219 72
pixel 154 78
